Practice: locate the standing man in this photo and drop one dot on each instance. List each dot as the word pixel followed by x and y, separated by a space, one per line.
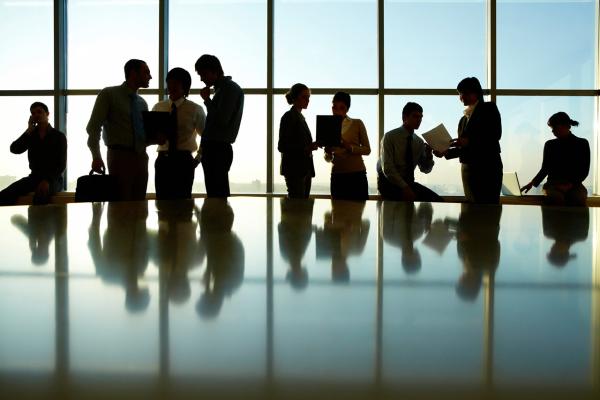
pixel 118 112
pixel 401 151
pixel 175 165
pixel 46 150
pixel 224 115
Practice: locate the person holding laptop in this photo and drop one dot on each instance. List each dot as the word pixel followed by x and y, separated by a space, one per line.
pixel 566 163
pixel 296 144
pixel 175 165
pixel 348 171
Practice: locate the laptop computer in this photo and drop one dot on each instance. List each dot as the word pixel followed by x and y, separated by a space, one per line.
pixel 510 184
pixel 329 130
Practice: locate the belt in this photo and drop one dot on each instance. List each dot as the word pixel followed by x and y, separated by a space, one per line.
pixel 120 147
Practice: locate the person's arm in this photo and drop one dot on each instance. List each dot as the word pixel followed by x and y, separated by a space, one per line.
pixel 455 152
pixel 59 152
pixel 290 140
pixel 97 119
pixel 544 169
pixel 21 145
pixel 363 148
pixel 582 168
pixel 226 105
pixel 425 161
pixel 388 163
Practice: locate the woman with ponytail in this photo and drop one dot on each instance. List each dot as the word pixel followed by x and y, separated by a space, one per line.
pixel 566 163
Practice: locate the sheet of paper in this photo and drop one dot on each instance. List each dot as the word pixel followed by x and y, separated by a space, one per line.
pixel 438 138
pixel 438 237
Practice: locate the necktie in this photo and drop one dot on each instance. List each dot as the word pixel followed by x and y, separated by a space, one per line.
pixel 410 165
pixel 139 136
pixel 173 128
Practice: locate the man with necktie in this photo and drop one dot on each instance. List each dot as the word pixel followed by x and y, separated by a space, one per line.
pixel 175 165
pixel 118 113
pixel 402 151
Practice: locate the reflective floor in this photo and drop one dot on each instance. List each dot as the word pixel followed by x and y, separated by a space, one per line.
pixel 273 298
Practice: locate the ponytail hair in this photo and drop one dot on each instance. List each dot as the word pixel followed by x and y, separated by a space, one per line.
pixel 561 118
pixel 295 92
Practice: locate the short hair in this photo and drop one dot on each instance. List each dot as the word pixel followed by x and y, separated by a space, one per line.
pixel 410 108
pixel 343 97
pixel 38 104
pixel 133 65
pixel 209 62
pixel 561 118
pixel 181 75
pixel 470 85
pixel 294 92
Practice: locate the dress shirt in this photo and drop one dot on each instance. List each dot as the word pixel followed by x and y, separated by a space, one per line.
pixel 347 161
pixel 112 116
pixel 224 112
pixel 393 156
pixel 190 123
pixel 565 161
pixel 47 156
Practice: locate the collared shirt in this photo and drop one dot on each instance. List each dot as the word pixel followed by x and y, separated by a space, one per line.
pixel 190 123
pixel 224 112
pixel 392 161
pixel 47 156
pixel 112 116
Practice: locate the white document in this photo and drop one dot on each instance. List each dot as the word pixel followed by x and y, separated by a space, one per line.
pixel 438 138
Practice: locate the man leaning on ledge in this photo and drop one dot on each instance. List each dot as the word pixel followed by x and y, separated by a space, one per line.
pixel 46 149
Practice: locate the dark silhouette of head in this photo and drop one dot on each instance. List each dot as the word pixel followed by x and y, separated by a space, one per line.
pixel 182 76
pixel 294 92
pixel 561 118
pixel 470 85
pixel 37 104
pixel 342 97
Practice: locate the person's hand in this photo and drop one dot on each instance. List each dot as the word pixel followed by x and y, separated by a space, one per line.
pixel 527 187
pixel 408 194
pixel 328 150
pixel 98 166
pixel 346 146
pixel 439 154
pixel 205 93
pixel 460 142
pixel 30 124
pixel 43 188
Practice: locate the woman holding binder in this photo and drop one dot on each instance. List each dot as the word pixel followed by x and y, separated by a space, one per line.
pixel 348 172
pixel 296 144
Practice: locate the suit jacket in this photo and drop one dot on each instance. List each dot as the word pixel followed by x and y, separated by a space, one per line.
pixel 483 131
pixel 294 139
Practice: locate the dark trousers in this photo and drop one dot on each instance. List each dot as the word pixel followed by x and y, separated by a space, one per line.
pixel 389 191
pixel 26 185
pixel 350 186
pixel 482 184
pixel 174 175
pixel 216 161
pixel 298 187
pixel 131 171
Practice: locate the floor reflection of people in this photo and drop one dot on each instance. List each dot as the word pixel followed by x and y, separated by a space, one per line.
pixel 344 233
pixel 402 224
pixel 176 248
pixel 122 255
pixel 566 226
pixel 295 230
pixel 224 256
pixel 42 225
pixel 477 246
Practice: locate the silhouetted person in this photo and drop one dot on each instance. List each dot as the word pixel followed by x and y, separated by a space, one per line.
pixel 117 114
pixel 295 231
pixel 344 234
pixel 42 225
pixel 224 256
pixel 566 163
pixel 348 171
pixel 478 145
pixel 223 119
pixel 401 152
pixel 296 144
pixel 403 224
pixel 175 164
pixel 176 246
pixel 477 246
pixel 46 150
pixel 122 255
pixel 566 226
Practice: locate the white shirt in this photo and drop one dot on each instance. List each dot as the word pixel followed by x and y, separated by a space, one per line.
pixel 190 123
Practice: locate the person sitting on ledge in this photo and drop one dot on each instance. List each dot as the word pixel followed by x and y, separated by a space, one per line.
pixel 566 163
pixel 47 152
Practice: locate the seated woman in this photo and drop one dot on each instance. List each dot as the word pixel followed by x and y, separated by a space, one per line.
pixel 296 144
pixel 348 172
pixel 566 163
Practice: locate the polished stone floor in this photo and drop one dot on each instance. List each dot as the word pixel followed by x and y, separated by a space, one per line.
pixel 273 298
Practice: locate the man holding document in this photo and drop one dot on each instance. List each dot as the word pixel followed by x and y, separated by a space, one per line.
pixel 401 151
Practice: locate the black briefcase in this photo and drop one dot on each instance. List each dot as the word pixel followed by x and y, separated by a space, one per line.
pixel 96 187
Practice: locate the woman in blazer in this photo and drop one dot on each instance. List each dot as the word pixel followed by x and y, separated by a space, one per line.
pixel 296 144
pixel 478 145
pixel 348 172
